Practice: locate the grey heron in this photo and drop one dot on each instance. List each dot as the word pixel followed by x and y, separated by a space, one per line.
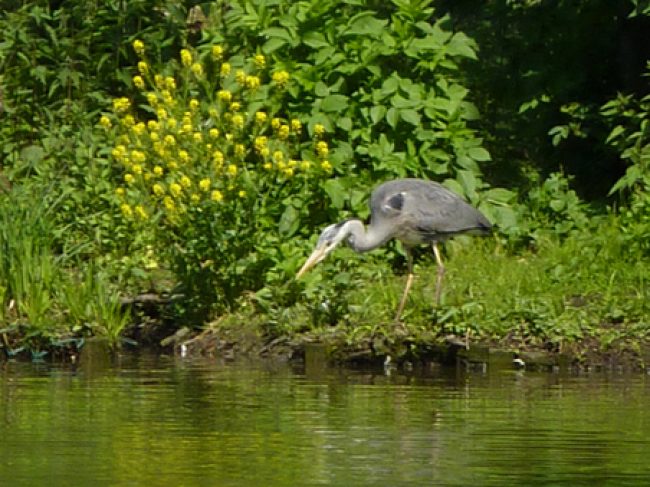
pixel 413 211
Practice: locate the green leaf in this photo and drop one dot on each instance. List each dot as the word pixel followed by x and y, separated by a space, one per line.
pixel 289 221
pixel 410 116
pixel 479 154
pixel 315 40
pixel 377 113
pixel 365 24
pixel 392 117
pixel 334 103
pixel 273 45
pixel 336 192
pixel 616 131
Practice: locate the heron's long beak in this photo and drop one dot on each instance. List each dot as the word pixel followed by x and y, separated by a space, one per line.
pixel 315 257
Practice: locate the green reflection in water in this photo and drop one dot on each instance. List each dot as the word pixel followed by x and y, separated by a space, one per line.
pixel 148 421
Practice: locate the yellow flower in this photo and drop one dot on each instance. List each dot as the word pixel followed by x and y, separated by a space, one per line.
pixel 228 137
pixel 326 166
pixel 268 166
pixel 296 125
pixel 186 57
pixel 224 95
pixel 105 122
pixel 171 123
pixel 128 120
pixel 138 156
pixel 154 136
pixel 283 132
pixel 169 140
pixel 275 123
pixel 158 170
pixel 235 106
pixel 197 136
pixel 225 69
pixel 217 157
pixel 119 152
pixel 126 210
pixel 120 192
pixel 185 181
pixel 321 148
pixel 292 163
pixel 204 184
pixel 195 198
pixel 281 78
pixel 143 68
pixel 138 82
pixel 194 104
pixel 242 194
pixel 128 178
pixel 260 117
pixel 187 128
pixel 240 76
pixel 217 52
pixel 216 195
pixel 158 189
pixel 153 126
pixel 260 143
pixel 278 155
pixel 183 155
pixel 305 165
pixel 319 129
pixel 152 99
pixel 172 165
pixel 197 69
pixel 240 150
pixel 288 172
pixel 161 113
pixel 137 169
pixel 252 82
pixel 238 121
pixel 260 61
pixel 169 203
pixel 214 133
pixel 139 128
pixel 232 170
pixel 141 212
pixel 175 189
pixel 138 47
pixel 159 81
pixel 170 83
pixel 121 105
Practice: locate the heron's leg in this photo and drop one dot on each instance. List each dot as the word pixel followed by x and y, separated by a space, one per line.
pixel 441 271
pixel 409 281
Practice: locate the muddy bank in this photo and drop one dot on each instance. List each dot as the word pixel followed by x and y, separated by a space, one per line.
pixel 405 351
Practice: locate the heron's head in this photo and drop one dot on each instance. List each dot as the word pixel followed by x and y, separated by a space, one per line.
pixel 329 238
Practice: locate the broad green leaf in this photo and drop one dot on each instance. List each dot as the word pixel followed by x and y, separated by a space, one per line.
pixel 289 221
pixel 392 116
pixel 334 103
pixel 315 40
pixel 410 116
pixel 479 154
pixel 273 44
pixel 335 191
pixel 377 112
pixel 365 24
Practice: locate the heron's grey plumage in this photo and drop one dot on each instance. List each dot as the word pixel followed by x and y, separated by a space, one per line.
pixel 414 211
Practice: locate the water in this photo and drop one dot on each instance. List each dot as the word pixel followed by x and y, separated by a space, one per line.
pixel 169 422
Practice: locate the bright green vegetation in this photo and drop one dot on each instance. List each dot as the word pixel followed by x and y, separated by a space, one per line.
pixel 150 148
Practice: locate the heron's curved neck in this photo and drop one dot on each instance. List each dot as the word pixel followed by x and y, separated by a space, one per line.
pixel 363 239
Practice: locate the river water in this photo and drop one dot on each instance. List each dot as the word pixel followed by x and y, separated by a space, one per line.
pixel 165 421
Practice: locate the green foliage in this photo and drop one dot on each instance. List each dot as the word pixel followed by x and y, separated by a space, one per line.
pixel 383 79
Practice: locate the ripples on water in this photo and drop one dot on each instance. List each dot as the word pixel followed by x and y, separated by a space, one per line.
pixel 163 421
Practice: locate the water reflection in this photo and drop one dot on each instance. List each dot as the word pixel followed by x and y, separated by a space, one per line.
pixel 145 420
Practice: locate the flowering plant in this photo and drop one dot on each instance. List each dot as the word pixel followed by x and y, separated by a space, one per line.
pixel 209 158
